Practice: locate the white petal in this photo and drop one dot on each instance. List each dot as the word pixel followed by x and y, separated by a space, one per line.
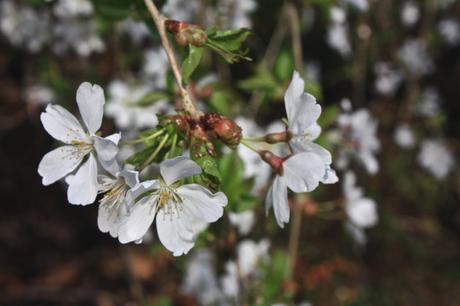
pixel 303 171
pixel 202 203
pixel 131 177
pixel 107 150
pixel 90 100
pixel 110 217
pixel 178 167
pixel 363 212
pixel 330 177
pixel 306 114
pixel 280 200
pixel 138 221
pixel 115 138
pixel 369 161
pixel 292 95
pixel 58 163
pixel 83 185
pixel 300 145
pixel 142 188
pixel 174 232
pixel 62 125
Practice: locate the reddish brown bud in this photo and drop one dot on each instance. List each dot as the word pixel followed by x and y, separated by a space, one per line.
pixel 224 128
pixel 174 26
pixel 274 161
pixel 277 137
pixel 181 39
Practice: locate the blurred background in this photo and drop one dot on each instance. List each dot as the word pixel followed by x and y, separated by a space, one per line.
pixel 387 75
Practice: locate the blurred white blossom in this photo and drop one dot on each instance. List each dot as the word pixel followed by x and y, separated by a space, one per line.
pixel 450 31
pixel 387 79
pixel 72 8
pixel 410 13
pixel 243 221
pixel 337 33
pixel 123 106
pixel 435 157
pixel 361 211
pixel 358 137
pixel 404 136
pixel 415 56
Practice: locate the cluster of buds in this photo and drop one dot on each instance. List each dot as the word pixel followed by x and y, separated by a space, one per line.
pixel 186 33
pixel 207 127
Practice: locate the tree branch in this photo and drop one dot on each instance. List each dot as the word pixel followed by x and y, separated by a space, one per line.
pixel 159 20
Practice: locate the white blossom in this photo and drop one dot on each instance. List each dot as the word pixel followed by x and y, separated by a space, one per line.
pixel 201 279
pixel 310 164
pixel 81 147
pixel 435 157
pixel 182 10
pixel 387 79
pixel 156 66
pixel 73 8
pixel 430 103
pixel 243 221
pixel 114 205
pixel 415 56
pixel 302 113
pixel 39 94
pixel 337 33
pixel 137 31
pixel 359 140
pixel 404 137
pixel 450 31
pixel 361 211
pixel 24 26
pixel 250 255
pixel 78 35
pixel 410 13
pixel 123 106
pixel 176 208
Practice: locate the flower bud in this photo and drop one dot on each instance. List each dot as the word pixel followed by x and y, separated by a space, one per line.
pixel 277 137
pixel 274 161
pixel 224 128
pixel 174 26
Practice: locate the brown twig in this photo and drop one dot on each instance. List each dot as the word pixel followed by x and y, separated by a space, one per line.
pixel 159 20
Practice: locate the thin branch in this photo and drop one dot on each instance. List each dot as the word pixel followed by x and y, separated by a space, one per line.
pixel 159 20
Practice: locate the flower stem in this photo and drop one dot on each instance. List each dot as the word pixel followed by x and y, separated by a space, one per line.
pixel 140 140
pixel 155 153
pixel 247 145
pixel 159 20
pixel 254 138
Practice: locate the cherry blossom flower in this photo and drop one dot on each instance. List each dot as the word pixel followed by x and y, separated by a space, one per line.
pixel 410 13
pixel 243 221
pixel 361 211
pixel 123 106
pixel 176 208
pixel 404 136
pixel 113 207
pixel 81 147
pixel 201 279
pixel 73 8
pixel 337 33
pixel 300 172
pixel 415 56
pixel 436 158
pixel 302 113
pixel 358 132
pixel 250 255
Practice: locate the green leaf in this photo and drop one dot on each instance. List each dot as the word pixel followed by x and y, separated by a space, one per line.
pixel 328 115
pixel 228 43
pixel 139 158
pixel 195 54
pixel 113 10
pixel 152 97
pixel 210 177
pixel 276 273
pixel 220 102
pixel 284 66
